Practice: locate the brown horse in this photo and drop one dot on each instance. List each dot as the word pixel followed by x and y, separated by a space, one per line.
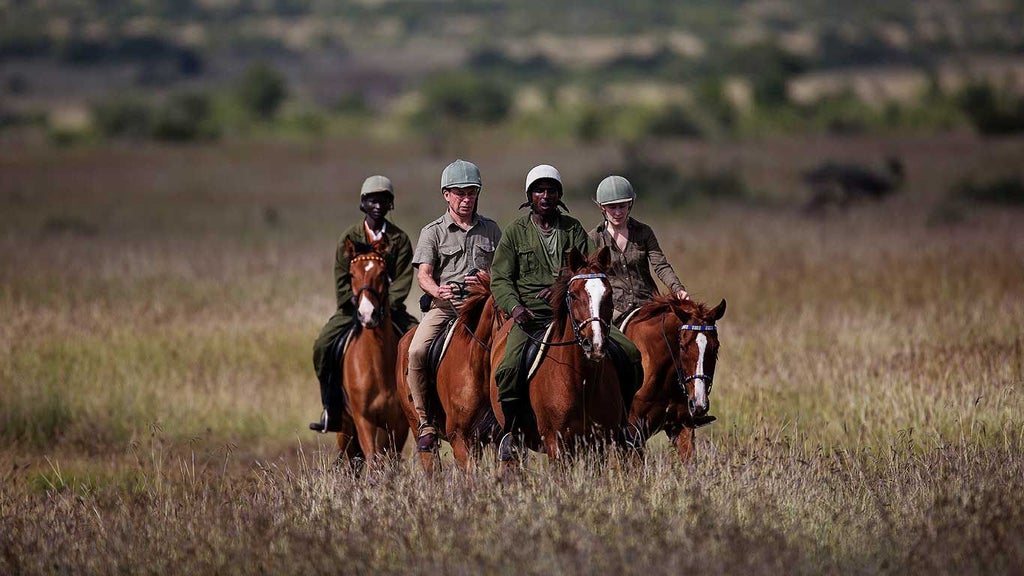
pixel 373 422
pixel 575 392
pixel 678 342
pixel 461 410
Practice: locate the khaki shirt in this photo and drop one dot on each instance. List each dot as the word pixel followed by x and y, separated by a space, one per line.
pixel 630 272
pixel 454 252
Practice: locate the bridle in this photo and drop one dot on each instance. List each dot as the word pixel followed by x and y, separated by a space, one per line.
pixel 681 380
pixel 372 257
pixel 577 326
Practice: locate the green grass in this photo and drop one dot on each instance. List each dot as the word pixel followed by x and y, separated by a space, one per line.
pixel 155 375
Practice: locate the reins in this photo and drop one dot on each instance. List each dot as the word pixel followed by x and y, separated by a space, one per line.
pixel 576 326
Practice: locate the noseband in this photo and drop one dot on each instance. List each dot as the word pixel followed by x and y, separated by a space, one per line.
pixel 577 327
pixel 680 379
pixel 371 257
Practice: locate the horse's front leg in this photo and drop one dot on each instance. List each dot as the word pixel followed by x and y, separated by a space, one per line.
pixel 683 442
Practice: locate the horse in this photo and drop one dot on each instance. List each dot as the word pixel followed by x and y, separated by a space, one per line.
pixel 575 393
pixel 373 424
pixel 678 341
pixel 461 405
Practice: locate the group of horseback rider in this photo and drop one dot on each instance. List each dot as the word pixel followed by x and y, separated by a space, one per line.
pixel 524 261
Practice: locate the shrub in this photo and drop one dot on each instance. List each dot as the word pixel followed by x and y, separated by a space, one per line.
pixel 1006 191
pixel 992 112
pixel 465 97
pixel 262 90
pixel 123 117
pixel 185 117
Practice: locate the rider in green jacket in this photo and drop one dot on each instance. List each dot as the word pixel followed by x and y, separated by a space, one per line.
pixel 527 261
pixel 376 199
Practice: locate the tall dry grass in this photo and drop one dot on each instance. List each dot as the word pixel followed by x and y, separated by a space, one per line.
pixel 159 306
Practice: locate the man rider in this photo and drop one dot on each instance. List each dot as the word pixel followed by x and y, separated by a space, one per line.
pixel 529 257
pixel 450 250
pixel 376 199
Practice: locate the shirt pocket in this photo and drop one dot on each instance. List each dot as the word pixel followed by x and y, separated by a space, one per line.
pixel 528 262
pixel 451 255
pixel 483 256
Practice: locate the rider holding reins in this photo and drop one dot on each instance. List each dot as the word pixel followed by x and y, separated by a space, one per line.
pixel 528 259
pixel 449 252
pixel 376 199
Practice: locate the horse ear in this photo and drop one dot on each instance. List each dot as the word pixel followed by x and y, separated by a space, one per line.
pixel 718 311
pixel 602 258
pixel 381 246
pixel 350 248
pixel 576 260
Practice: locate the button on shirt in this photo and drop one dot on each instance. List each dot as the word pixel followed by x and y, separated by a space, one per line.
pixel 454 252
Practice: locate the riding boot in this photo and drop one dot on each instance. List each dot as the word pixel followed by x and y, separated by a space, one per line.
pixel 333 399
pixel 511 446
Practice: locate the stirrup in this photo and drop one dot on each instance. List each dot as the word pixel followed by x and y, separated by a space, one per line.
pixel 426 438
pixel 510 449
pixel 320 426
pixel 632 437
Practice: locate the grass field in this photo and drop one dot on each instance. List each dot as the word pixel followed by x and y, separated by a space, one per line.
pixel 159 307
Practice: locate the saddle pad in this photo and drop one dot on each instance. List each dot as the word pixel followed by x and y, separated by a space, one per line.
pixel 542 351
pixel 439 346
pixel 625 318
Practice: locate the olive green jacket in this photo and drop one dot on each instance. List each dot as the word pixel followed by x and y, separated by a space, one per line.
pixel 398 258
pixel 520 271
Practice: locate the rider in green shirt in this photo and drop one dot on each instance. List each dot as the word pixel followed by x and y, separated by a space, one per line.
pixel 376 199
pixel 527 261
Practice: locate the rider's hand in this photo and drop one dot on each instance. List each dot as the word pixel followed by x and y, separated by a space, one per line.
pixel 544 294
pixel 682 295
pixel 521 314
pixel 471 280
pixel 444 292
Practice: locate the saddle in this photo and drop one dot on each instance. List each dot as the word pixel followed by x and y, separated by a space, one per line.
pixel 537 347
pixel 623 320
pixel 437 349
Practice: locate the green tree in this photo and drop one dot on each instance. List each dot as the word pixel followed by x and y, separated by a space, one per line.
pixel 262 90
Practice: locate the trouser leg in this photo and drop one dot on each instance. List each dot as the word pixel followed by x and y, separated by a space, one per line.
pixel 329 375
pixel 430 326
pixel 636 374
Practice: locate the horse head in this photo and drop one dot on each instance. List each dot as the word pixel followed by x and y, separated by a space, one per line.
pixel 698 354
pixel 370 280
pixel 584 295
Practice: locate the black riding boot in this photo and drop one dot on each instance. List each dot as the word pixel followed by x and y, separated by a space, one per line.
pixel 333 400
pixel 517 416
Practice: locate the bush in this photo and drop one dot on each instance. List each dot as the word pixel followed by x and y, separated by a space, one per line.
pixel 467 98
pixel 1006 191
pixel 262 90
pixel 185 117
pixel 992 112
pixel 123 117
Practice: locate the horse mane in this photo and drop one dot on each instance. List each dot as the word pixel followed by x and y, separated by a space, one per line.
pixel 685 310
pixel 473 307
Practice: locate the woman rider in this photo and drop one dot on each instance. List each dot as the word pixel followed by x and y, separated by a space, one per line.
pixel 635 250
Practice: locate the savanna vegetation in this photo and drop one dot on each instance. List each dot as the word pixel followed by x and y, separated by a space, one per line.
pixel 159 305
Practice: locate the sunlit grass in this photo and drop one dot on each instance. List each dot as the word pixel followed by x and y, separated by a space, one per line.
pixel 156 382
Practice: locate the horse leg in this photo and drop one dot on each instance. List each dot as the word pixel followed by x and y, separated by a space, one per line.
pixel 462 452
pixel 684 444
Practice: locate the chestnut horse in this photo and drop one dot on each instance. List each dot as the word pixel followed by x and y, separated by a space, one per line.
pixel 373 423
pixel 678 341
pixel 460 403
pixel 575 392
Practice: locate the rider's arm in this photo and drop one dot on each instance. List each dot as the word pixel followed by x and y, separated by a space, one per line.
pixel 402 282
pixel 342 277
pixel 504 271
pixel 660 263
